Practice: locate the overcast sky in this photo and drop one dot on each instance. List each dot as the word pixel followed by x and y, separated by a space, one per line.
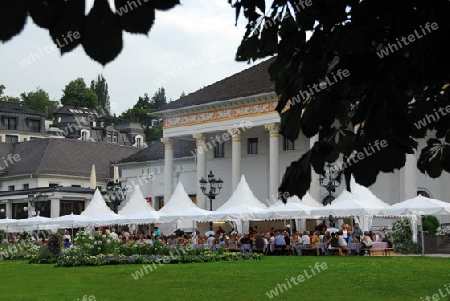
pixel 199 33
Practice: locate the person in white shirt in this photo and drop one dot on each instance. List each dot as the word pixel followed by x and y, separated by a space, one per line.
pixel 306 240
pixel 366 242
pixel 211 241
pixel 67 235
pixel 114 235
pixel 342 245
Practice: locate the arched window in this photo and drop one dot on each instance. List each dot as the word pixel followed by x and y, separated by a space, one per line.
pixel 327 200
pixel 423 193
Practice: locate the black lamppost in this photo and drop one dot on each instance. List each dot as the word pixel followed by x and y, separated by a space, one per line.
pixel 214 189
pixel 115 194
pixel 36 200
pixel 330 180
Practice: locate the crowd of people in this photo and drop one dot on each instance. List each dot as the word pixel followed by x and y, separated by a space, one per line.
pixel 274 240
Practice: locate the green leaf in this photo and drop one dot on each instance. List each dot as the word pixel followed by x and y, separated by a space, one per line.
pixel 47 13
pixel 297 178
pixel 430 158
pixel 12 20
pixel 67 34
pixel 102 39
pixel 163 4
pixel 137 19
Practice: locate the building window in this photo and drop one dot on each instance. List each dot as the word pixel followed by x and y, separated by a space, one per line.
pixel 26 186
pixel 115 138
pixel 288 144
pixel 11 188
pixel 11 138
pixel 34 125
pixel 53 185
pixel 68 207
pixel 252 146
pixel 219 150
pixel 73 185
pixel 109 137
pixel 34 138
pixel 423 193
pixel 18 210
pixel 11 123
pixel 138 141
pixel 84 135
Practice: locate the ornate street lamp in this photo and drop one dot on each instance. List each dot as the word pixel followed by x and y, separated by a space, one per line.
pixel 330 180
pixel 115 194
pixel 36 202
pixel 214 189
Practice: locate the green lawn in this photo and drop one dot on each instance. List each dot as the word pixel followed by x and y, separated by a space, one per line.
pixel 346 278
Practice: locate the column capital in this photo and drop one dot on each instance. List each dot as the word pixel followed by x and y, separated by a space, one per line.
pixel 200 139
pixel 235 134
pixel 273 129
pixel 168 143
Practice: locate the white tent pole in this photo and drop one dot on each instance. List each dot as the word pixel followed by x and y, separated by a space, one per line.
pixel 421 236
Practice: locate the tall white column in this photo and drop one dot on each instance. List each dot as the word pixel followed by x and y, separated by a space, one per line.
pixel 410 175
pixel 201 168
pixel 54 208
pixel 8 210
pixel 168 168
pixel 314 188
pixel 274 132
pixel 235 157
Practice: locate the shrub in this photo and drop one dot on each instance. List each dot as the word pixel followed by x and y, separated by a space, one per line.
pixel 431 225
pixel 54 244
pixel 402 238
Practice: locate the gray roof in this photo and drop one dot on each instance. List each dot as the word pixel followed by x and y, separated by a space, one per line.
pixel 155 151
pixel 252 81
pixel 63 157
pixel 17 107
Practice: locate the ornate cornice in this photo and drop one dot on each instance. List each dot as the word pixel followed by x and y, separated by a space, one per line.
pixel 222 114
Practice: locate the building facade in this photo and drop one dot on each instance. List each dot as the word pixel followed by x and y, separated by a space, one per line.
pixel 19 124
pixel 58 166
pixel 233 130
pixel 85 124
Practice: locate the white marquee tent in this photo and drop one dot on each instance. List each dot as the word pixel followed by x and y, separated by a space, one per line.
pixel 241 207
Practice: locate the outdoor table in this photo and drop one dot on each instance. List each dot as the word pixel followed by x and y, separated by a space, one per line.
pixel 322 247
pixel 353 247
pixel 379 247
pixel 246 247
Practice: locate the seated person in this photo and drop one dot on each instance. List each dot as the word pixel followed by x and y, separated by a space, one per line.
pixel 220 231
pixel 352 239
pixel 384 236
pixel 259 242
pixel 295 238
pixel 287 239
pixel 315 240
pixel 245 239
pixel 333 242
pixel 279 241
pixel 66 243
pixel 342 244
pixel 327 237
pixel 305 239
pixel 366 242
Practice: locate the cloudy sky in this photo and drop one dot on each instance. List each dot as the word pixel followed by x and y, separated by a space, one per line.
pixel 200 34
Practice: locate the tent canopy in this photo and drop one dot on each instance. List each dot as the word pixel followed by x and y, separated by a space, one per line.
pixel 137 203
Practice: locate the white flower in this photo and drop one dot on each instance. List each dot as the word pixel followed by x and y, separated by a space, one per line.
pixel 108 241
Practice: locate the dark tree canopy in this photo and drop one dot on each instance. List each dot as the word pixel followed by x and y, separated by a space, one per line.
pixel 76 93
pixel 395 56
pixel 39 101
pixel 100 32
pixel 100 88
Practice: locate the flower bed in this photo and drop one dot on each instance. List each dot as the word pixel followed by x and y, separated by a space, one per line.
pixel 68 260
pixel 102 250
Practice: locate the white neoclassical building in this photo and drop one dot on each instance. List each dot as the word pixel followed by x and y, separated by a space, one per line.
pixel 232 129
